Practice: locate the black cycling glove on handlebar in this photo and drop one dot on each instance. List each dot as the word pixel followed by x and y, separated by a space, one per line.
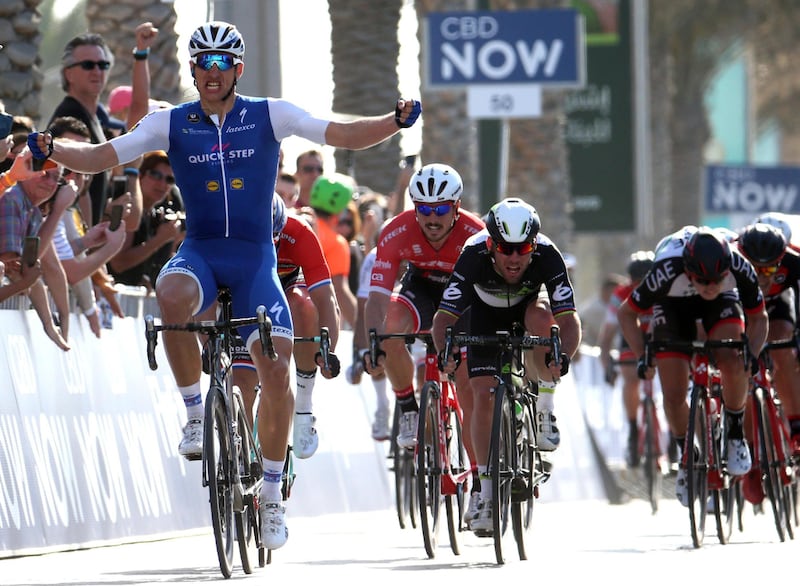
pixel 641 368
pixel 563 362
pixel 755 365
pixel 442 359
pixel 333 363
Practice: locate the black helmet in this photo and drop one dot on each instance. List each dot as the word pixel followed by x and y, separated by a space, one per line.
pixel 639 264
pixel 762 244
pixel 512 221
pixel 707 255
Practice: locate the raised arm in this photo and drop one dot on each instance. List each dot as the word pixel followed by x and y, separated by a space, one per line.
pixel 363 133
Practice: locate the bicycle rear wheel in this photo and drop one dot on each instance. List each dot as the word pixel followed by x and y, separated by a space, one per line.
pixel 651 452
pixel 217 459
pixel 773 486
pixel 246 517
pixel 522 484
pixel 503 442
pixel 429 467
pixel 696 462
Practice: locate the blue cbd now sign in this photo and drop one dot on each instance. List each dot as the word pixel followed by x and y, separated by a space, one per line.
pixel 752 189
pixel 491 48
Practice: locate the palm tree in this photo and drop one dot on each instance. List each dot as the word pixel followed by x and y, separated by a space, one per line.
pixel 365 50
pixel 117 20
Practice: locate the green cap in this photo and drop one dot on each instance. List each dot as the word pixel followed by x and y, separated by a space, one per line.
pixel 332 193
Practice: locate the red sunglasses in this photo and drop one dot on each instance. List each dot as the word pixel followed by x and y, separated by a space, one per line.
pixel 509 249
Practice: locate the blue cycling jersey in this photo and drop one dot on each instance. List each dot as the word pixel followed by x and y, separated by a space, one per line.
pixel 226 172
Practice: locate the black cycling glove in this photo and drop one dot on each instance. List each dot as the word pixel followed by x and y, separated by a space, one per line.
pixel 641 368
pixel 563 362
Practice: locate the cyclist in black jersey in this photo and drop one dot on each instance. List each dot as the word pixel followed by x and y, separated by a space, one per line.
pixel 498 276
pixel 224 150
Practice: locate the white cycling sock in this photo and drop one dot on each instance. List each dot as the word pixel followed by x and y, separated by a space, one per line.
pixel 546 391
pixel 193 400
pixel 273 474
pixel 305 387
pixel 486 483
pixel 380 393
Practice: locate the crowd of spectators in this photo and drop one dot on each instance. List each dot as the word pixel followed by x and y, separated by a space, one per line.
pixel 83 257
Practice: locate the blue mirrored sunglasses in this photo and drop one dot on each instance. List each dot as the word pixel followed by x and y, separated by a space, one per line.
pixel 439 210
pixel 223 61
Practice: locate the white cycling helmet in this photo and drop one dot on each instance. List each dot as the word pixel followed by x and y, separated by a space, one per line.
pixel 777 220
pixel 278 214
pixel 217 36
pixel 513 221
pixel 435 183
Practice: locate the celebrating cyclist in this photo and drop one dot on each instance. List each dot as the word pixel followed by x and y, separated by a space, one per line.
pixel 697 277
pixel 778 269
pixel 429 239
pixel 224 151
pixel 498 277
pixel 639 264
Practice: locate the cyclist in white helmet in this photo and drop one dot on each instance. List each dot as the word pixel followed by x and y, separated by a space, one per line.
pixel 498 278
pixel 224 150
pixel 428 238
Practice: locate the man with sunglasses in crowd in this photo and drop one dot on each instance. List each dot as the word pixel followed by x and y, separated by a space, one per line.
pixel 428 240
pixel 85 65
pixel 699 286
pixel 498 277
pixel 224 149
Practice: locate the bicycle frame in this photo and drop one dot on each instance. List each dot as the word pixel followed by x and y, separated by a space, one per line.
pixel 438 453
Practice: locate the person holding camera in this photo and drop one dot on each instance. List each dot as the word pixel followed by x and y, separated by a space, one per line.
pixel 160 230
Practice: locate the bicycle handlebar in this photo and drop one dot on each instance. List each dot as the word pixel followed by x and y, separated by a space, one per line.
pixel 211 328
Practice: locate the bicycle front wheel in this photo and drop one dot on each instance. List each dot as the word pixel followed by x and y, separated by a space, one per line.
pixel 246 516
pixel 405 489
pixel 696 462
pixel 217 458
pixel 652 453
pixel 429 466
pixel 773 486
pixel 502 444
pixel 458 463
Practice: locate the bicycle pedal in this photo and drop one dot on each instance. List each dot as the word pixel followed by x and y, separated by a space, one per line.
pixel 520 491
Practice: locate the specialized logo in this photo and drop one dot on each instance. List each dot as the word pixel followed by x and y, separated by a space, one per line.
pixel 237 183
pixel 277 311
pixel 242 114
pixel 212 185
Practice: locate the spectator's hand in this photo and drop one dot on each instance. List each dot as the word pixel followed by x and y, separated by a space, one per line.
pixel 406 112
pixel 94 322
pixel 96 235
pixel 115 239
pixel 65 196
pixel 168 231
pixel 28 275
pixel 146 35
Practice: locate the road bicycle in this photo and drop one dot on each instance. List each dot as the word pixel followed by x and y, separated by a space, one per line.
pixel 442 465
pixel 771 443
pixel 231 458
pixel 516 466
pixel 649 451
pixel 704 457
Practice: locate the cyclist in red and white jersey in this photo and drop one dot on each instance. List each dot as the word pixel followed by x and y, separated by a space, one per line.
pixel 306 280
pixel 429 239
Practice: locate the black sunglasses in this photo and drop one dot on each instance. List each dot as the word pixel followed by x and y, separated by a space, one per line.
pixel 88 65
pixel 705 282
pixel 159 176
pixel 311 169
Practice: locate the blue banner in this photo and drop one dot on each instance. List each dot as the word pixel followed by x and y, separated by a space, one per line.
pixel 751 189
pixel 491 48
